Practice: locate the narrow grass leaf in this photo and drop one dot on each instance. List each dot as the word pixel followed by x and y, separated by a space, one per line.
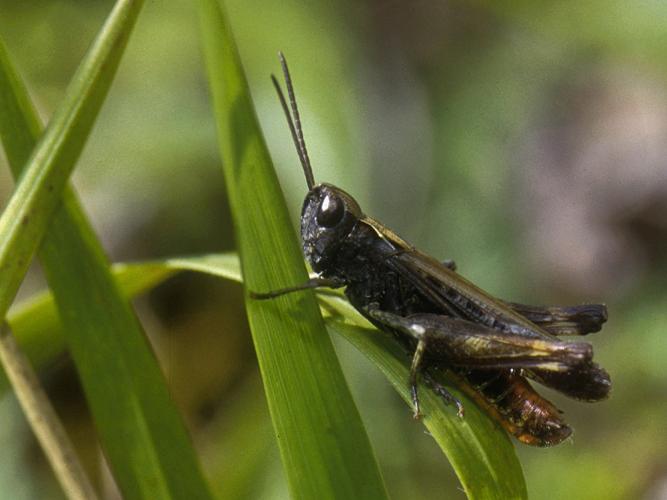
pixel 480 451
pixel 40 186
pixel 43 420
pixel 323 444
pixel 140 429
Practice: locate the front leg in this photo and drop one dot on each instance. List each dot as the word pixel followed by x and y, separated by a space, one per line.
pixel 310 284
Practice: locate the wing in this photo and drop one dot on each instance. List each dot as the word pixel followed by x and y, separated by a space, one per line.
pixel 559 320
pixel 460 298
pixel 565 320
pixel 587 383
pixel 450 292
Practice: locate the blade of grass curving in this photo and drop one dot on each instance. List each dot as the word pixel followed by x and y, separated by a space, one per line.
pixel 35 321
pixel 244 434
pixel 323 444
pixel 43 420
pixel 143 436
pixel 39 189
pixel 480 451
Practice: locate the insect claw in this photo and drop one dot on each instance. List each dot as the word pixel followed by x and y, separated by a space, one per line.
pixel 415 402
pixel 447 396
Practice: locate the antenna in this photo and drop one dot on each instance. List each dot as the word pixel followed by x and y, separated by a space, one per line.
pixel 294 125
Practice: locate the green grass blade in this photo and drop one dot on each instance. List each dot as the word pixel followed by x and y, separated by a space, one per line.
pixel 143 436
pixel 40 187
pixel 323 444
pixel 35 322
pixel 43 420
pixel 480 452
pixel 40 331
pixel 245 434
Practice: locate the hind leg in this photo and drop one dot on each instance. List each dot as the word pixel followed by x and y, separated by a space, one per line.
pixel 442 391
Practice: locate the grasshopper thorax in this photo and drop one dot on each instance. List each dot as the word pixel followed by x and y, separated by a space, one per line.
pixel 327 217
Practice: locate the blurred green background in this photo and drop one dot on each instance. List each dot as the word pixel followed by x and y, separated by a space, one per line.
pixel 525 140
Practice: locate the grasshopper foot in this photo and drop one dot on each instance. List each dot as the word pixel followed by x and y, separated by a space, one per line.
pixel 417 414
pixel 442 391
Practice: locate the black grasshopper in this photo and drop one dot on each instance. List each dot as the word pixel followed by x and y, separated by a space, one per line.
pixel 443 321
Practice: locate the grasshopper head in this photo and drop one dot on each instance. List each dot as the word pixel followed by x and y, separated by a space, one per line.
pixel 327 217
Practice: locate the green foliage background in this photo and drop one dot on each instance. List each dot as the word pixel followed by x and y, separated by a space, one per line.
pixel 449 122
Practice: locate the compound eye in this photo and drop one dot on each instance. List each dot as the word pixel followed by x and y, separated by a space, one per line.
pixel 331 211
